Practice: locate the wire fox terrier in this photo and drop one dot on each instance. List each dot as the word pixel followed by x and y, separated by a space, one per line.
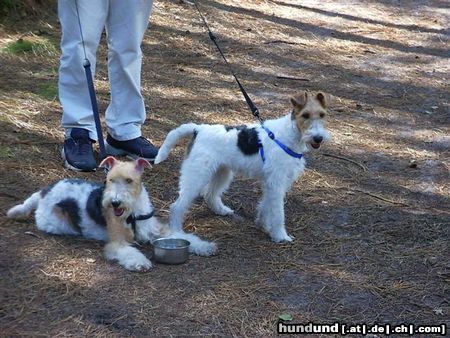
pixel 217 151
pixel 118 212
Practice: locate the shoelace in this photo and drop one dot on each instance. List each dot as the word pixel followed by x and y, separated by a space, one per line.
pixel 84 146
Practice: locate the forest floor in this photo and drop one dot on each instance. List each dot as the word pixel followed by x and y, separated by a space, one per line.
pixel 371 214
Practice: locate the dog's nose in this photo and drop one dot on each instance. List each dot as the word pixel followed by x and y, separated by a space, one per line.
pixel 318 139
pixel 115 203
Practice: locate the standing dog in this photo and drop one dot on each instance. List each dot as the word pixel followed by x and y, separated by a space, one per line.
pixel 119 212
pixel 272 152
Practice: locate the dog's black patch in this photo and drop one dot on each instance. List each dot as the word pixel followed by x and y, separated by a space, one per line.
pixel 191 143
pixel 248 141
pixel 70 207
pixel 240 127
pixel 94 206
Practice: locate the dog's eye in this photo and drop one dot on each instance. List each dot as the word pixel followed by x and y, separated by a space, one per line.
pixel 322 115
pixel 129 180
pixel 305 115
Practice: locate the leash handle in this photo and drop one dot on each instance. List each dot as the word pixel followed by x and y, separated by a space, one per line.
pixel 250 103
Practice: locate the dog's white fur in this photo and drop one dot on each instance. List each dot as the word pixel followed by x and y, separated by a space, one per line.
pixel 48 219
pixel 214 157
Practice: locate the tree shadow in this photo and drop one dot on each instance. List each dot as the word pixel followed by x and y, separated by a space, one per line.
pixel 328 32
pixel 402 4
pixel 384 93
pixel 415 28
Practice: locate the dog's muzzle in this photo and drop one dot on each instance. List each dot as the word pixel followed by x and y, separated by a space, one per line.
pixel 118 211
pixel 316 141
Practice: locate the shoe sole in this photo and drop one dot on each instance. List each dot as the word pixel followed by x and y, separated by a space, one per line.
pixel 71 167
pixel 110 150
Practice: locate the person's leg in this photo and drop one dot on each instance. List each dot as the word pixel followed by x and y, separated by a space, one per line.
pixel 72 85
pixel 126 24
pixel 77 118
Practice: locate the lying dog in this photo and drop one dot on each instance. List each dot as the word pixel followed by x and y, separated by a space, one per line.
pixel 272 152
pixel 119 212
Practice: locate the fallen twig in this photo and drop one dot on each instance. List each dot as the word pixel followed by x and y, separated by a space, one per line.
pixel 32 234
pixel 364 168
pixel 380 197
pixel 292 78
pixel 281 41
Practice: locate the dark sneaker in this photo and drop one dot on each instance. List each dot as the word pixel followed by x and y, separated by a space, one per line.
pixel 77 151
pixel 138 147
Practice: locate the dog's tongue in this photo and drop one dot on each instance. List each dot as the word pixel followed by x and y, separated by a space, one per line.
pixel 118 212
pixel 315 145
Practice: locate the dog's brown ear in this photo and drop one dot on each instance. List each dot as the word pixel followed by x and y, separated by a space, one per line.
pixel 140 164
pixel 323 99
pixel 108 163
pixel 299 101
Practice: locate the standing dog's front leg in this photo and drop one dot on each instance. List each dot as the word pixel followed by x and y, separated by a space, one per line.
pixel 119 246
pixel 270 213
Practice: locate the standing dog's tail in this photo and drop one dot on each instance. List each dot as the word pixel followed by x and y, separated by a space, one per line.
pixel 25 209
pixel 172 138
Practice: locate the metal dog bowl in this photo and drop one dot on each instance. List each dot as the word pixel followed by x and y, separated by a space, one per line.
pixel 171 250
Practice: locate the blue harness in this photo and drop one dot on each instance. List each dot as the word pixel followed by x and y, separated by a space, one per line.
pixel 285 148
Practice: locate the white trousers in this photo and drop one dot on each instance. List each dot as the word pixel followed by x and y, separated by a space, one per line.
pixel 125 22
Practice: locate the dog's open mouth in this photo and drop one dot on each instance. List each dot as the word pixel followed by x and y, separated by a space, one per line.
pixel 118 211
pixel 315 145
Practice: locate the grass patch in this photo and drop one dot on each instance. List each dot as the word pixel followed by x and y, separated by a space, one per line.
pixel 6 152
pixel 39 46
pixel 20 46
pixel 48 91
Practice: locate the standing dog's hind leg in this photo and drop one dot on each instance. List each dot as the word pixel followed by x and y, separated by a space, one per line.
pixel 216 187
pixel 192 182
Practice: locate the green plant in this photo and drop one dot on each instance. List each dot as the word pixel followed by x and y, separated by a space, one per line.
pixel 38 47
pixel 19 47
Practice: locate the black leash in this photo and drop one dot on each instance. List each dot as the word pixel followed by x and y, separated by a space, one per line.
pixel 251 105
pixel 249 101
pixel 90 82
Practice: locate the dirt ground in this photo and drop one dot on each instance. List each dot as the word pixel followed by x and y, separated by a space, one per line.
pixel 371 215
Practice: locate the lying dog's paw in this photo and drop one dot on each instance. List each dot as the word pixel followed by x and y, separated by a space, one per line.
pixel 136 262
pixel 138 265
